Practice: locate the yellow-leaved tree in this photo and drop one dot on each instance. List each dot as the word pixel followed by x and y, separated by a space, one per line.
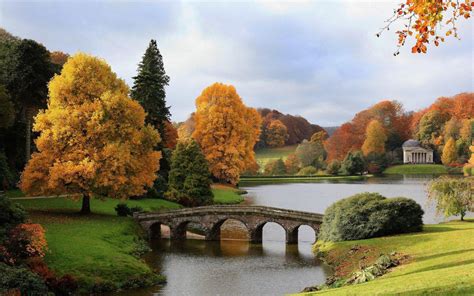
pixel 449 155
pixel 227 131
pixel 93 140
pixel 375 138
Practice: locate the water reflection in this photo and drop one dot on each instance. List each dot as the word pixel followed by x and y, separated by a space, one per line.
pixel 233 267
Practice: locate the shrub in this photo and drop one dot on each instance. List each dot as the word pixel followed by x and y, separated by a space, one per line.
pixel 333 167
pixel 11 214
pixel 308 171
pixel 21 279
pixel 6 176
pixel 354 163
pixel 122 210
pixel 275 168
pixel 26 241
pixel 367 215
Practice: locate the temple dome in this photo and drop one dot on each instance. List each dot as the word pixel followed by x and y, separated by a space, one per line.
pixel 411 143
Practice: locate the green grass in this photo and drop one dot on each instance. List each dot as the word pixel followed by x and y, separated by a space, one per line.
pixel 97 247
pixel 14 193
pixel 226 195
pixel 263 155
pixel 93 248
pixel 441 262
pixel 416 169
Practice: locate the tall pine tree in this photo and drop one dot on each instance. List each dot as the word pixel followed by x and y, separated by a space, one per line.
pixel 149 90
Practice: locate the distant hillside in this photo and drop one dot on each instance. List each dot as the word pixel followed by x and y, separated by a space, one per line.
pixel 330 129
pixel 298 127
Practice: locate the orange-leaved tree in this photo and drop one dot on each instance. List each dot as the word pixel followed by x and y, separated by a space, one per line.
pixel 428 21
pixel 227 131
pixel 93 140
pixel 276 134
pixel 375 138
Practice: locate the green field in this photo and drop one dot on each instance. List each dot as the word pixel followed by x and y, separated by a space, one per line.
pixel 440 262
pixel 416 169
pixel 226 195
pixel 263 155
pixel 98 248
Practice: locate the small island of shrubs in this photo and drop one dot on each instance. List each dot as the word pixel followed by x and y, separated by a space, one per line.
pixel 367 215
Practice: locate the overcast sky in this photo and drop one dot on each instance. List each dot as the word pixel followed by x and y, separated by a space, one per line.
pixel 318 59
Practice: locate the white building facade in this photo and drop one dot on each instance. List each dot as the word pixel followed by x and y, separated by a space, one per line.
pixel 414 153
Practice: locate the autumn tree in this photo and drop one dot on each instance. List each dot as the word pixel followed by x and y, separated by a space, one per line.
pixel 93 140
pixel 428 21
pixel 375 139
pixel 319 137
pixel 311 154
pixel 171 134
pixel 453 196
pixel 351 135
pixel 449 155
pixel 292 164
pixel 276 134
pixel 275 167
pixel 189 177
pixel 226 130
pixel 431 126
pixel 186 128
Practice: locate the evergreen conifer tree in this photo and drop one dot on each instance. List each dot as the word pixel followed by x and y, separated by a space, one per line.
pixel 189 178
pixel 149 90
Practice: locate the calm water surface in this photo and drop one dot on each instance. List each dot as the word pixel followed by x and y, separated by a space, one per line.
pixel 234 267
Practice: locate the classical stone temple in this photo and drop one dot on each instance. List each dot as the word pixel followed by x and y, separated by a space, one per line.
pixel 414 153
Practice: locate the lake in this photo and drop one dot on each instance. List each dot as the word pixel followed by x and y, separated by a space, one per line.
pixel 235 267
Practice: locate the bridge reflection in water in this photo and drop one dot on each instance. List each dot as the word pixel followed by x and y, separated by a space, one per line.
pixel 209 220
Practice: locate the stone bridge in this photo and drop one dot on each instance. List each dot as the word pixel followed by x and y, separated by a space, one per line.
pixel 211 219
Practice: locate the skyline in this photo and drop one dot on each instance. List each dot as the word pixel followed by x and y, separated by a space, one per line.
pixel 297 58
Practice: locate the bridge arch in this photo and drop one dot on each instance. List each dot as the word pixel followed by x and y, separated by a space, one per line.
pixel 256 235
pixel 178 230
pixel 214 232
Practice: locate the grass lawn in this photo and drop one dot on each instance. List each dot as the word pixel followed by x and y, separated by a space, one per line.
pixel 98 248
pixel 226 195
pixel 263 155
pixel 95 248
pixel 414 169
pixel 441 262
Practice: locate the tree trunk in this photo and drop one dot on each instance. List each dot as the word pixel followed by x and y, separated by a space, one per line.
pixel 86 204
pixel 28 119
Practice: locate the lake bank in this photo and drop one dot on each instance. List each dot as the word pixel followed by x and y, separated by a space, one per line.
pixel 101 250
pixel 433 267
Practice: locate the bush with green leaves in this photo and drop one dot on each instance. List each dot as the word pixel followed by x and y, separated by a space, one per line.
pixel 367 215
pixel 189 180
pixel 333 167
pixel 21 279
pixel 122 210
pixel 308 171
pixel 275 167
pixel 11 214
pixel 354 163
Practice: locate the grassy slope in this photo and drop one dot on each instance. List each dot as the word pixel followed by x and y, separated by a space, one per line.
pixel 422 169
pixel 442 262
pixel 226 195
pixel 97 247
pixel 263 155
pixel 299 178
